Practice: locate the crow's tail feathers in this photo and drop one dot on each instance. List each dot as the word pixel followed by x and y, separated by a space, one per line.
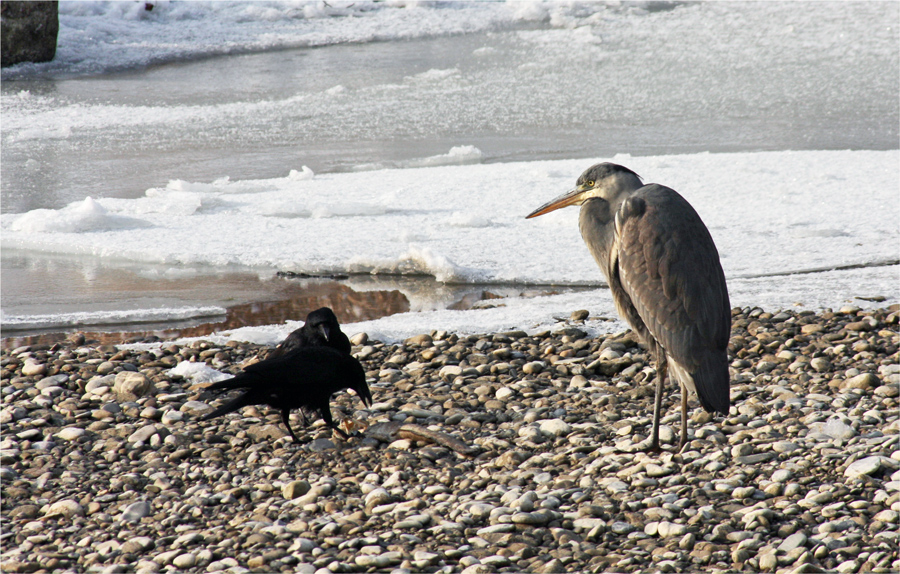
pixel 239 381
pixel 234 404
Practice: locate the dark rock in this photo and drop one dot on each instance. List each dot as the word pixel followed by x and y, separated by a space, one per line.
pixel 28 32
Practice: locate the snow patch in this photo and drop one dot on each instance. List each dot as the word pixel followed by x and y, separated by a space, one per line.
pixel 78 217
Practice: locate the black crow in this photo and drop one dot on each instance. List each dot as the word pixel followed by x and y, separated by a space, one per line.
pixel 321 329
pixel 302 378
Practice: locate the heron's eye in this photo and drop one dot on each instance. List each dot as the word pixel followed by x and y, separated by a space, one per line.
pixel 589 183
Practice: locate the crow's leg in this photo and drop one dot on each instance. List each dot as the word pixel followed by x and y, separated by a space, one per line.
pixel 285 417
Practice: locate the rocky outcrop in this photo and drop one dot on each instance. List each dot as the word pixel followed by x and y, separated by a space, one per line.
pixel 28 32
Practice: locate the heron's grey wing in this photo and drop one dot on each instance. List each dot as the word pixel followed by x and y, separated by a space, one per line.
pixel 669 266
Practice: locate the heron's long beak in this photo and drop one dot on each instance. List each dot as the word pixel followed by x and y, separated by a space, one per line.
pixel 573 197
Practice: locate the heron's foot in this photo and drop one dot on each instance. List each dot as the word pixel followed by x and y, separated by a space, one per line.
pixel 654 448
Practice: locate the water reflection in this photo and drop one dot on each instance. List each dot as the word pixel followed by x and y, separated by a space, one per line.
pixel 350 307
pixel 35 285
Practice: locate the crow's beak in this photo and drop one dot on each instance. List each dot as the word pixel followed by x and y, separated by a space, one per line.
pixel 365 394
pixel 326 331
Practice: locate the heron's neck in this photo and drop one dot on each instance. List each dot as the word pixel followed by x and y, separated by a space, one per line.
pixel 623 186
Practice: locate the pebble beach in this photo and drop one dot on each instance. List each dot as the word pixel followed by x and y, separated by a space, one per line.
pixel 501 452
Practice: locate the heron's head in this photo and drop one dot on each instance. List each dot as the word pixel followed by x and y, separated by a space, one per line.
pixel 605 180
pixel 324 321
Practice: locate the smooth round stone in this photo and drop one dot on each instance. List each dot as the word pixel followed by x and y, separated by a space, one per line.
pixel 504 393
pixel 295 489
pixel 782 475
pixel 743 449
pixel 185 561
pixel 811 329
pixel 666 434
pixel 105 368
pixel 836 428
pixel 774 489
pixel 194 408
pixel 532 518
pixel 136 510
pixel 137 545
pixel 172 417
pixel 862 381
pixel 579 382
pixel 450 372
pixel 656 471
pixel 29 434
pixel 130 386
pixel 533 368
pixel 671 529
pixel 580 315
pixel 820 364
pixel 372 561
pixel 71 433
pixel 617 486
pixel 555 427
pixel 768 562
pixel 864 466
pixel 423 340
pixel 743 492
pixel 609 354
pixel 53 381
pixel 143 434
pixel 658 514
pixel 785 446
pixel 52 392
pixel 378 497
pixel 888 391
pixel 32 369
pixel 793 541
pixel 621 528
pixel 321 445
pixel 887 516
pixel 67 508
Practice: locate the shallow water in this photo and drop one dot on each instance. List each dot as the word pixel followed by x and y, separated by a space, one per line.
pixel 515 95
pixel 70 285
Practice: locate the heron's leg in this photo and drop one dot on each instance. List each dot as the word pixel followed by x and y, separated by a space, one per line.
pixel 285 417
pixel 662 369
pixel 684 407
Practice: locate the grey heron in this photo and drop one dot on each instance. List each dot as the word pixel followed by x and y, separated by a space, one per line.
pixel 665 276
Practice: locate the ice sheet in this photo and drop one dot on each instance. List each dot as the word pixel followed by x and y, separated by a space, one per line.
pixel 100 37
pixel 769 212
pixel 99 318
pixel 774 216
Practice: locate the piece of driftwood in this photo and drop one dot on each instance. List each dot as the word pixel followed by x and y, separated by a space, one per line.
pixel 391 431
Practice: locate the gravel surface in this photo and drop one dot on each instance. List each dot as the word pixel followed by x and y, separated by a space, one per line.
pixel 105 467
